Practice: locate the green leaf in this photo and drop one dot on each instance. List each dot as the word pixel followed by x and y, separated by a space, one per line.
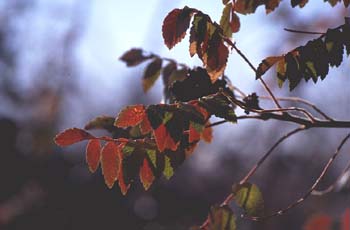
pixel 221 218
pixel 151 74
pixel 168 169
pixel 249 197
pixel 225 20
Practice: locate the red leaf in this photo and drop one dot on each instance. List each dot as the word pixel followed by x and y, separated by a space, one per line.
pixel 72 136
pixel 216 58
pixel 111 163
pixel 145 126
pixel 134 57
pixel 345 223
pixel 93 152
pixel 160 134
pixel 207 134
pixel 193 135
pixel 123 187
pixel 175 25
pixel 319 222
pixel 146 174
pixel 130 116
pixel 235 22
pixel 164 140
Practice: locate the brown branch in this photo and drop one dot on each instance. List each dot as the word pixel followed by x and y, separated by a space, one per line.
pixel 233 45
pixel 268 153
pixel 309 191
pixel 300 100
pixel 303 32
pixel 230 197
pixel 332 186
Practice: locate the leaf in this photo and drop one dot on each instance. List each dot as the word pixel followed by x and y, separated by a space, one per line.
pixel 225 21
pixel 345 222
pixel 195 132
pixel 319 222
pixel 168 169
pixel 134 57
pixel 207 134
pixel 334 45
pixel 72 136
pixel 266 64
pixel 300 3
pixel 271 5
pixel 221 218
pixel 175 25
pixel 198 35
pixel 249 197
pixel 145 126
pixel 111 160
pixel 167 71
pixel 130 116
pixel 197 84
pixel 225 1
pixel 146 175
pixel 93 152
pixel 235 22
pixel 281 72
pixel 151 74
pixel 246 6
pixel 164 140
pixel 215 58
pixel 346 34
pixel 122 185
pixel 101 122
pixel 219 106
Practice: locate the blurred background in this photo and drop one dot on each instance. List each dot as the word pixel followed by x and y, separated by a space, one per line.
pixel 59 68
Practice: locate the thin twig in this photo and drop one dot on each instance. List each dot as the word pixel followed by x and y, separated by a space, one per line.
pixel 230 197
pixel 332 186
pixel 268 153
pixel 303 32
pixel 254 69
pixel 309 191
pixel 300 100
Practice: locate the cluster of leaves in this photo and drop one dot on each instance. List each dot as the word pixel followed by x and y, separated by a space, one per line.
pixel 250 6
pixel 206 38
pixel 325 222
pixel 148 141
pixel 311 61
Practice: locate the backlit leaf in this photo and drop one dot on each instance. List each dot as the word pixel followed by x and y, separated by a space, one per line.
pixel 319 222
pixel 111 163
pixel 221 218
pixel 175 25
pixel 198 34
pixel 122 185
pixel 235 22
pixel 93 152
pixel 130 116
pixel 219 106
pixel 225 20
pixel 146 175
pixel 134 57
pixel 266 64
pixel 151 74
pixel 72 136
pixel 168 169
pixel 249 197
pixel 207 134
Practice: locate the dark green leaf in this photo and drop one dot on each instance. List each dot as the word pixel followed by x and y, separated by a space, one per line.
pixel 151 74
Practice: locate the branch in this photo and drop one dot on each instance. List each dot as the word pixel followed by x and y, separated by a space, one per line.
pixel 254 69
pixel 300 100
pixel 308 192
pixel 332 186
pixel 303 32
